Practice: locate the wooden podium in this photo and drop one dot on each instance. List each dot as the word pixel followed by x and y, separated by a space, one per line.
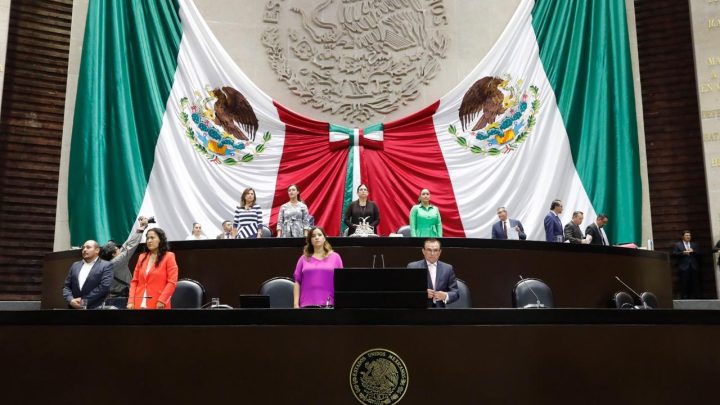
pixel 380 288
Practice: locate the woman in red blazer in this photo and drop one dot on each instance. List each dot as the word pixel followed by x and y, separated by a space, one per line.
pixel 155 275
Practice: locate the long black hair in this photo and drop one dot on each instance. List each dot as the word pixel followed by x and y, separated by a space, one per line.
pixel 163 246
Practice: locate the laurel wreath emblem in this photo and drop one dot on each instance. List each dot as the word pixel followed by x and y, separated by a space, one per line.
pixel 509 130
pixel 210 139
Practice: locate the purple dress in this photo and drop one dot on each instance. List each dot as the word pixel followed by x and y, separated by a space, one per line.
pixel 316 279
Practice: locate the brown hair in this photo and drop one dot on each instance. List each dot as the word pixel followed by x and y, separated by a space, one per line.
pixel 298 192
pixel 244 193
pixel 308 250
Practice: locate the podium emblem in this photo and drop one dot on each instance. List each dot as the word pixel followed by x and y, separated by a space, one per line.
pixel 379 377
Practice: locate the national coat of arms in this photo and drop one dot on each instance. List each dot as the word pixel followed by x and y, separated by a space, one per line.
pixel 496 116
pixel 356 58
pixel 221 125
pixel 379 377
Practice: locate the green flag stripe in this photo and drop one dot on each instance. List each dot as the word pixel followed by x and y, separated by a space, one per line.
pixel 348 194
pixel 585 51
pixel 128 64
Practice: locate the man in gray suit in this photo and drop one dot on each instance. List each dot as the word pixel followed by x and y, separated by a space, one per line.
pixel 442 287
pixel 572 229
pixel 120 256
pixel 88 279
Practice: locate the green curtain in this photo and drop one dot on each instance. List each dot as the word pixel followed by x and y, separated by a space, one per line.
pixel 585 50
pixel 128 63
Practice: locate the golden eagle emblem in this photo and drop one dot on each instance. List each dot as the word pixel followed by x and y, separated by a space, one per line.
pixel 231 109
pixel 496 116
pixel 221 125
pixel 483 97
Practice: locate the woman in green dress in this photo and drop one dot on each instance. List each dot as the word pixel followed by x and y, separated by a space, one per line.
pixel 425 218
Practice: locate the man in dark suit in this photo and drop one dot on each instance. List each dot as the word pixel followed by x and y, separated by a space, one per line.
pixel 572 229
pixel 442 287
pixel 688 268
pixel 596 231
pixel 553 225
pixel 500 229
pixel 88 279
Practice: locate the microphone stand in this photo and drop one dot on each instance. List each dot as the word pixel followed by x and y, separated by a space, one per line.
pixel 538 304
pixel 634 292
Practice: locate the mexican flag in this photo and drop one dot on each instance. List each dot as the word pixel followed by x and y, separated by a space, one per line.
pixel 166 124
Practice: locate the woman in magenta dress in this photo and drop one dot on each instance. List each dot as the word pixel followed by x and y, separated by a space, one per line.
pixel 315 270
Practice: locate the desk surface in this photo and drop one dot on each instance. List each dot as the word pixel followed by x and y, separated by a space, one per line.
pixel 360 317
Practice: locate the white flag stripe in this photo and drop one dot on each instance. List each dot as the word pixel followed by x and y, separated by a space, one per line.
pixel 527 179
pixel 185 186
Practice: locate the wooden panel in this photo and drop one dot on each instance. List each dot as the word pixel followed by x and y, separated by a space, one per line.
pixel 673 139
pixel 306 356
pixel 581 276
pixel 31 125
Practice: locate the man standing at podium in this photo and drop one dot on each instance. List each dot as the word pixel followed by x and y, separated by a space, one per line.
pixel 88 281
pixel 442 288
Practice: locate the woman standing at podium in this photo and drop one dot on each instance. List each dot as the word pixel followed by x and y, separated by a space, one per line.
pixel 315 272
pixel 247 220
pixel 361 209
pixel 156 274
pixel 293 217
pixel 425 218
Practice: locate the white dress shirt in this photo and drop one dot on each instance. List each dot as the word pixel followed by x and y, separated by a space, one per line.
pixel 604 237
pixel 150 263
pixel 432 269
pixel 85 271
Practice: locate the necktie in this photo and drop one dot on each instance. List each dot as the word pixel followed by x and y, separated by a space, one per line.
pixel 227 235
pixel 505 229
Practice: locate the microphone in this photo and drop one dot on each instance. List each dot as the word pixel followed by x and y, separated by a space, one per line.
pixel 536 305
pixel 382 256
pixel 634 292
pixel 374 261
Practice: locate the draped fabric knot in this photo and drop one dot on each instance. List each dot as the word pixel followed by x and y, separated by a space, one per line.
pixel 354 140
pixel 369 137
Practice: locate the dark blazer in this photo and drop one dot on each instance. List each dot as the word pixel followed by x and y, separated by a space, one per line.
pixel 573 233
pixel 354 212
pixel 497 231
pixel 444 281
pixel 686 262
pixel 97 284
pixel 553 226
pixel 594 231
